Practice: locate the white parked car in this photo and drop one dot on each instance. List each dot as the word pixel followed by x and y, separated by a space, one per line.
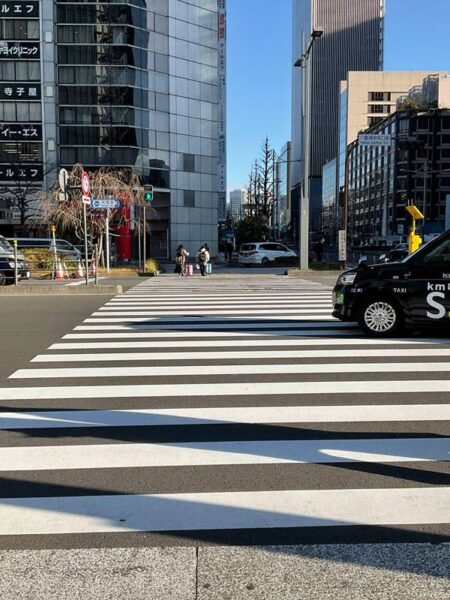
pixel 262 253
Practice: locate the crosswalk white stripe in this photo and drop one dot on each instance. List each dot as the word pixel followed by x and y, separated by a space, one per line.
pixel 202 390
pixel 274 324
pixel 227 415
pixel 207 311
pixel 213 307
pixel 251 341
pixel 241 299
pixel 225 510
pixel 218 302
pixel 211 370
pixel 248 354
pixel 317 316
pixel 266 452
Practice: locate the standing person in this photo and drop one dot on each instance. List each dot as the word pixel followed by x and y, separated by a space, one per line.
pixel 202 259
pixel 180 260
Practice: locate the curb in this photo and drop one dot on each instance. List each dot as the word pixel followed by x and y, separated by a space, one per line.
pixel 60 290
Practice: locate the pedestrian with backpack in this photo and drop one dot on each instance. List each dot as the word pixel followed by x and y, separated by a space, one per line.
pixel 203 259
pixel 180 260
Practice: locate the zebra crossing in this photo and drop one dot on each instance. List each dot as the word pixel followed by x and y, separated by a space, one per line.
pixel 194 408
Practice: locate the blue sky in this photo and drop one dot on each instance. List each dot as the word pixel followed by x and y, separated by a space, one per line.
pixel 259 66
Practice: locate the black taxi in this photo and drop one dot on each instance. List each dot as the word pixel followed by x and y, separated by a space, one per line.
pixel 383 298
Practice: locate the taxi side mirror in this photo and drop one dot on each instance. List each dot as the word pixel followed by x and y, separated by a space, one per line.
pixel 363 262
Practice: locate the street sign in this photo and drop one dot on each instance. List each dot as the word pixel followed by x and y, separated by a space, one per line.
pixel 342 244
pixel 86 199
pixel 85 184
pixel 106 203
pixel 374 140
pixel 63 179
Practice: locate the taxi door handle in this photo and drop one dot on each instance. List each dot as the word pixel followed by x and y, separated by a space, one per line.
pixel 406 275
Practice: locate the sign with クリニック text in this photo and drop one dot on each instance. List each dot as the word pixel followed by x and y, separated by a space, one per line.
pixel 21 50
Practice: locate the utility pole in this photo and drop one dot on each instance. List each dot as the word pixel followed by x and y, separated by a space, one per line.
pixel 305 65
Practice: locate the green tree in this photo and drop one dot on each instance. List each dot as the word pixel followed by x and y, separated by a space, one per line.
pixel 251 229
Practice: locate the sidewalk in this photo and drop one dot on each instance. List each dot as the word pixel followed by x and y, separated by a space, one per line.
pixel 322 572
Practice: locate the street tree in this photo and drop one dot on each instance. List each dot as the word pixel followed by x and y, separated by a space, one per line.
pixel 21 190
pixel 260 187
pixel 67 214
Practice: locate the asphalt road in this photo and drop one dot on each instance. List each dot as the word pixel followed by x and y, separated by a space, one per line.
pixel 225 410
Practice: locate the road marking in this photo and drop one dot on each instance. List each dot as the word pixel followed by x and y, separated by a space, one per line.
pixel 296 388
pixel 211 370
pixel 196 454
pixel 225 510
pixel 206 311
pixel 317 316
pixel 226 415
pixel 272 326
pixel 247 354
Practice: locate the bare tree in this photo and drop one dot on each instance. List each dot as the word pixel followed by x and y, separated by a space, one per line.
pixel 260 187
pixel 22 190
pixel 67 215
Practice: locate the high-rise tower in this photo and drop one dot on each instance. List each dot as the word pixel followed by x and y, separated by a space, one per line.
pixel 352 41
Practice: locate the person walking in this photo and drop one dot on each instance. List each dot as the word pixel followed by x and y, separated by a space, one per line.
pixel 180 260
pixel 203 259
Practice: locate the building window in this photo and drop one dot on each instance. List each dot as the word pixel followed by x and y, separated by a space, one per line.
pixel 189 163
pixel 379 96
pixel 381 109
pixel 374 120
pixel 189 199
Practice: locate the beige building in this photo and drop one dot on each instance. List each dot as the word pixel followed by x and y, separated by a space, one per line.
pixel 367 97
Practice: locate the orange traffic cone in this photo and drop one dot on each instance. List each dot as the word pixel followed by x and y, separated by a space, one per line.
pixel 93 272
pixel 80 270
pixel 59 273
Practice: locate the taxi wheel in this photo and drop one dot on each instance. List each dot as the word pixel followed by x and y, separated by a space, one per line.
pixel 265 261
pixel 380 317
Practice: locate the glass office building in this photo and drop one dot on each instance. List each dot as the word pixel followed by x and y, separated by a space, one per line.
pixel 135 84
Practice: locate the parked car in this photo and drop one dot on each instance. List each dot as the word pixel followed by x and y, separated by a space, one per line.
pixel 63 247
pixel 262 253
pixel 7 264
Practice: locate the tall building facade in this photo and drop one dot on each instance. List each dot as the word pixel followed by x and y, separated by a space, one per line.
pixel 238 203
pixel 282 204
pixel 352 41
pixel 133 84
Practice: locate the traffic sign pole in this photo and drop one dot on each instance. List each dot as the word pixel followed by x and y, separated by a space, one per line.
pixel 107 240
pixel 86 188
pixel 86 260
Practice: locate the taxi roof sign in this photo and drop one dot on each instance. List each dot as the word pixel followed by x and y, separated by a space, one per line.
pixel 414 212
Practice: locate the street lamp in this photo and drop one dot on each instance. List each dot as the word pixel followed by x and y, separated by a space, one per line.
pixel 304 63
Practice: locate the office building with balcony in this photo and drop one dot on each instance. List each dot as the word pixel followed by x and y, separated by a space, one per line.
pixel 352 41
pixel 414 168
pixel 137 84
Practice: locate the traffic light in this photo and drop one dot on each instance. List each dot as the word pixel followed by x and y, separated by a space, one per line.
pixel 148 194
